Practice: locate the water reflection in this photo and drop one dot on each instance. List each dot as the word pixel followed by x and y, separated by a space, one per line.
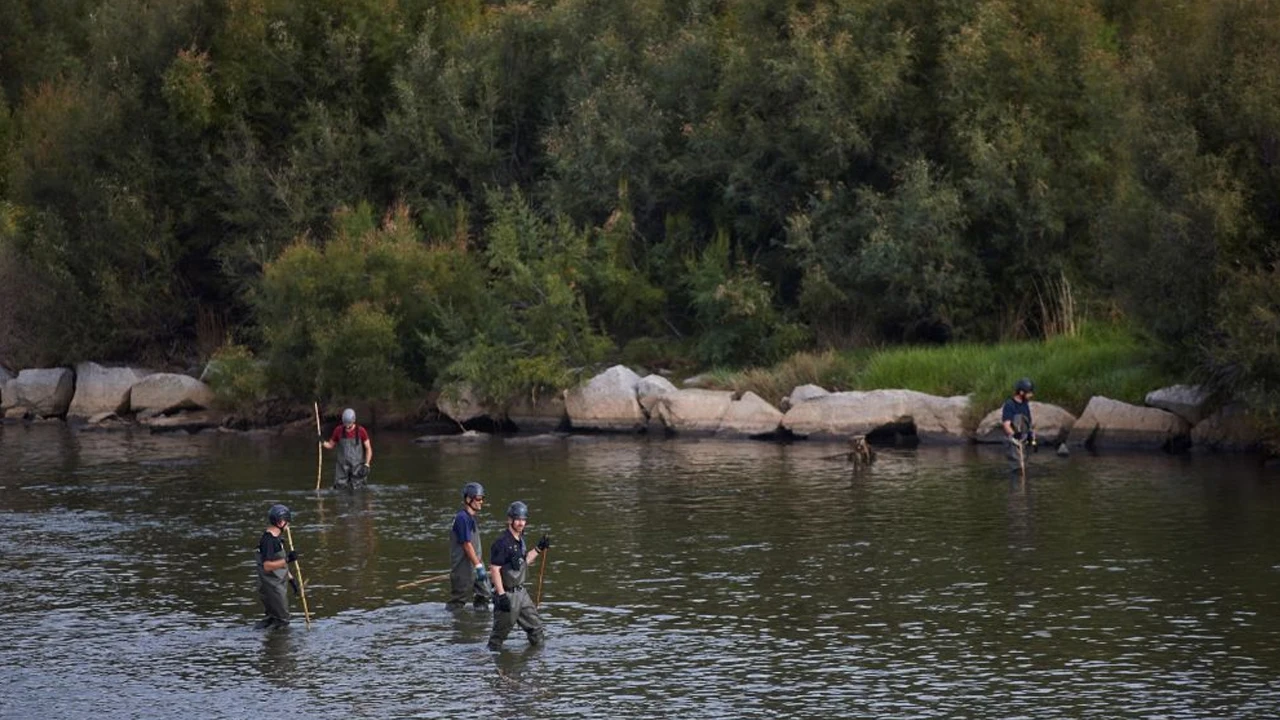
pixel 728 580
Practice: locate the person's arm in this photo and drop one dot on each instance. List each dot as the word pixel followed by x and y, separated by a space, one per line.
pixel 497 559
pixel 368 448
pixel 333 440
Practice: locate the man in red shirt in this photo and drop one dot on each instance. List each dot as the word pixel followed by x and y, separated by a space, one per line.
pixel 355 452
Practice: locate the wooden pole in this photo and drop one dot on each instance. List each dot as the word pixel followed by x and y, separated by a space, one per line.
pixel 541 571
pixel 319 447
pixel 302 585
pixel 433 578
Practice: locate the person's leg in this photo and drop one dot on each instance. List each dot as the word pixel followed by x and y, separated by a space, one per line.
pixel 529 619
pixel 461 580
pixel 341 475
pixel 275 602
pixel 503 621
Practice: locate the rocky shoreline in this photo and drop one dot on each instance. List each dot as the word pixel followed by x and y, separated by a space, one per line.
pixel 620 401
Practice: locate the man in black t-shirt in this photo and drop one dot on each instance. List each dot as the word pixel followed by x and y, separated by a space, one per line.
pixel 273 569
pixel 1015 418
pixel 508 563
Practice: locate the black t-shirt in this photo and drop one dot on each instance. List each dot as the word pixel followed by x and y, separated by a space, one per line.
pixel 270 546
pixel 505 549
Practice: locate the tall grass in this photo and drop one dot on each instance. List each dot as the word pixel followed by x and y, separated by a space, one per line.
pixel 1067 370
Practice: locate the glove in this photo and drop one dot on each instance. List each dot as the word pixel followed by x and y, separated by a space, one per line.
pixel 481 575
pixel 293 583
pixel 544 542
pixel 502 603
pixel 292 557
pixel 1013 439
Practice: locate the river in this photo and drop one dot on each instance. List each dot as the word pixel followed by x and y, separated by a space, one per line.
pixel 701 578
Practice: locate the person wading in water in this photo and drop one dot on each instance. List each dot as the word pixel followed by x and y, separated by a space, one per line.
pixel 355 452
pixel 273 569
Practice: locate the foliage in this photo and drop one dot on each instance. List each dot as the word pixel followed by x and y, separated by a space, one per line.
pixel 238 379
pixel 743 179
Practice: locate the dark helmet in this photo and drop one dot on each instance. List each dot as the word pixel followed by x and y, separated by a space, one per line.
pixel 279 512
pixel 1024 385
pixel 472 489
pixel 518 511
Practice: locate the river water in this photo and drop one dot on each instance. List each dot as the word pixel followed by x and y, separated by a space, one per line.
pixel 704 579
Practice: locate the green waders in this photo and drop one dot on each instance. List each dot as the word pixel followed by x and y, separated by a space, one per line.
pixel 522 613
pixel 272 587
pixel 463 586
pixel 350 456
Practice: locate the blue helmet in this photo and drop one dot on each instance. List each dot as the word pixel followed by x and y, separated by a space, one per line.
pixel 472 490
pixel 1024 385
pixel 348 416
pixel 518 511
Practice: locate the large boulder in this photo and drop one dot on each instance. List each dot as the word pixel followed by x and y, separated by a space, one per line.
pixel 606 402
pixel 839 415
pixel 165 392
pixel 542 413
pixel 1052 424
pixel 1230 428
pixel 1107 423
pixel 692 411
pixel 459 403
pixel 716 412
pixel 102 390
pixel 750 416
pixel 1188 402
pixel 803 393
pixel 42 392
pixel 649 389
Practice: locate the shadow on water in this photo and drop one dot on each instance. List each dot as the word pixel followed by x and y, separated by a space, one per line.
pixel 727 580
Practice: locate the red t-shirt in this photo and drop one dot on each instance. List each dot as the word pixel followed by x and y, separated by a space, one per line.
pixel 341 432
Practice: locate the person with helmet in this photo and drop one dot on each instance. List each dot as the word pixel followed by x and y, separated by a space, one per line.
pixel 467 577
pixel 273 569
pixel 355 452
pixel 1015 418
pixel 509 561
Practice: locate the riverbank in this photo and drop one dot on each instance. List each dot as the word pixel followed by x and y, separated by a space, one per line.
pixel 1103 388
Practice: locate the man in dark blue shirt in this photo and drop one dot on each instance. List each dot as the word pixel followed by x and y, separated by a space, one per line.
pixel 509 560
pixel 1015 418
pixel 467 577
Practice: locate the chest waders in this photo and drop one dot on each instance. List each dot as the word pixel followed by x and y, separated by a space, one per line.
pixel 463 586
pixel 1017 452
pixel 350 455
pixel 523 612
pixel 272 586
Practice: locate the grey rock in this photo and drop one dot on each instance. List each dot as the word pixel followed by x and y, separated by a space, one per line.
pixel 1230 428
pixel 102 389
pixel 1188 402
pixel 607 402
pixel 167 392
pixel 1107 423
pixel 43 392
pixel 837 416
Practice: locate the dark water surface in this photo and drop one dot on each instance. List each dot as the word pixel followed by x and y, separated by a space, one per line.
pixel 692 579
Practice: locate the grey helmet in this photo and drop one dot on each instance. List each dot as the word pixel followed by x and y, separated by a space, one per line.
pixel 518 511
pixel 279 512
pixel 472 489
pixel 348 416
pixel 1024 385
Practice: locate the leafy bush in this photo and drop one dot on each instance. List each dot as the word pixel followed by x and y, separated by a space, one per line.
pixel 238 379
